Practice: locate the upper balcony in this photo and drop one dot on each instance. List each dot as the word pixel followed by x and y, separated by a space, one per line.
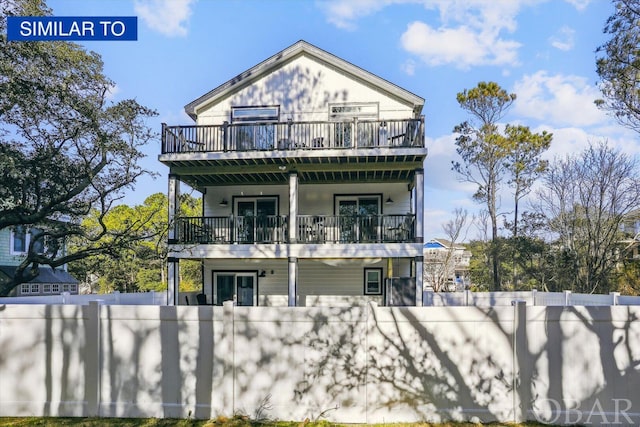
pixel 378 151
pixel 290 135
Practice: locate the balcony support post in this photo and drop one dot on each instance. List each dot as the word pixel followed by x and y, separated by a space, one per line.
pixel 225 136
pixel 419 260
pixel 174 206
pixel 293 278
pixel 419 186
pixel 293 207
pixel 173 280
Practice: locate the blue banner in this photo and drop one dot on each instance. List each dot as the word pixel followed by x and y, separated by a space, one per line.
pixel 72 28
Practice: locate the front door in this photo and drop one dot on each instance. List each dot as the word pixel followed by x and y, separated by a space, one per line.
pixel 238 287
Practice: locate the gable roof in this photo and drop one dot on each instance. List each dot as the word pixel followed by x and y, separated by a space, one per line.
pixel 45 275
pixel 442 243
pixel 303 48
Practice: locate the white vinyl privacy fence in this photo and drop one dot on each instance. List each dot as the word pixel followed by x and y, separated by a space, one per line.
pixel 491 299
pixel 559 364
pixel 114 298
pixel 430 299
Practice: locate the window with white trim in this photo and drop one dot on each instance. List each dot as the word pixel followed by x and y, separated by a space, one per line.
pixel 351 110
pixel 35 288
pixel 24 288
pixel 255 114
pixel 21 238
pixel 55 288
pixel 46 288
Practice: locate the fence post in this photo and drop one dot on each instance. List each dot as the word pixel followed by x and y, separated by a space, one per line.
pixel 534 294
pixel 227 357
pixel 614 297
pixel 567 298
pixel 93 367
pixel 519 345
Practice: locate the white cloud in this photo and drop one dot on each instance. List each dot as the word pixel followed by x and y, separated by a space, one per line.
pixel 462 46
pixel 563 39
pixel 470 32
pixel 579 4
pixel 112 91
pixel 409 67
pixel 169 17
pixel 343 14
pixel 565 100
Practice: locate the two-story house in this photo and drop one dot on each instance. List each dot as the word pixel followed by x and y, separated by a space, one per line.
pixel 14 243
pixel 311 174
pixel 446 266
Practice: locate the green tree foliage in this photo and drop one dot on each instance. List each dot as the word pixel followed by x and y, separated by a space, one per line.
pixel 523 162
pixel 586 198
pixel 491 155
pixel 140 265
pixel 619 67
pixel 65 151
pixel 483 151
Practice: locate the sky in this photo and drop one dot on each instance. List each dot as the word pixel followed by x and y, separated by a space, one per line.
pixel 544 51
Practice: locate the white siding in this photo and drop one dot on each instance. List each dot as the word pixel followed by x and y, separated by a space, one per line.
pixel 320 282
pixel 303 88
pixel 314 199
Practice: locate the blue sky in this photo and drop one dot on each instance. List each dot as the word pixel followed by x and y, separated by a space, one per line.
pixel 544 51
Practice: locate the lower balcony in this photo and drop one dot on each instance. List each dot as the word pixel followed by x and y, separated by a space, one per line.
pixel 309 229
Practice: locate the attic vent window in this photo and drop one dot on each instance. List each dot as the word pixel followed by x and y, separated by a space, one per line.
pixel 255 114
pixel 361 110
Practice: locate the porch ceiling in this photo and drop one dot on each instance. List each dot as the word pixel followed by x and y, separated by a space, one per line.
pixel 199 173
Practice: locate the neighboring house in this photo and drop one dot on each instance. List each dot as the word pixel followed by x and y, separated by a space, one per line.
pixel 14 243
pixel 311 174
pixel 446 265
pixel 630 242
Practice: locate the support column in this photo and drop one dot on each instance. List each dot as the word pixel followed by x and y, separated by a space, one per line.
pixel 173 280
pixel 173 268
pixel 419 186
pixel 419 273
pixel 174 206
pixel 293 207
pixel 293 279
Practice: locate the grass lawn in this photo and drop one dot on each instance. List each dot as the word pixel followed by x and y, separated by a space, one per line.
pixel 222 422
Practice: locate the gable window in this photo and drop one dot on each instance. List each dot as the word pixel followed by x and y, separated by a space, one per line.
pixel 373 281
pixel 255 114
pixel 352 110
pixel 347 131
pixel 253 127
pixel 21 238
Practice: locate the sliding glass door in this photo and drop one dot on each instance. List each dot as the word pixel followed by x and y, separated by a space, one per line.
pixel 238 287
pixel 358 217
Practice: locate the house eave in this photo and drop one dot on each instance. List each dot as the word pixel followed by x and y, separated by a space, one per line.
pixel 300 48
